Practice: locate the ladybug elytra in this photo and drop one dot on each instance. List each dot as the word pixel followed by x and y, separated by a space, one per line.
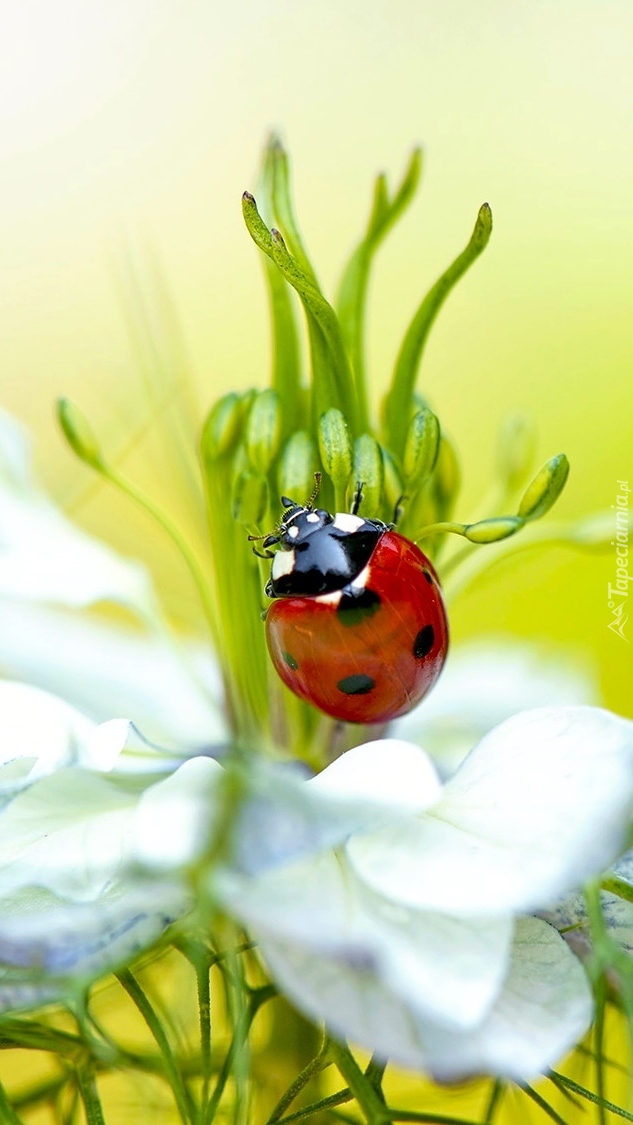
pixel 357 626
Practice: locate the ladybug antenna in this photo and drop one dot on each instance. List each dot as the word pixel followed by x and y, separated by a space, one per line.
pixel 315 490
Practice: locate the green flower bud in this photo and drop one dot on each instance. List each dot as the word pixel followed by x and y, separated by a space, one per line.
pixel 296 467
pixel 249 498
pixel 335 447
pixel 493 530
pixel 393 486
pixel 446 478
pixel 262 437
pixel 222 428
pixel 421 447
pixel 517 440
pixel 369 472
pixel 545 489
pixel 79 434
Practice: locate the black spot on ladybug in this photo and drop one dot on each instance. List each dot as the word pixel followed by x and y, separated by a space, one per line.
pixel 358 684
pixel 424 642
pixel 427 574
pixel 290 661
pixel 356 606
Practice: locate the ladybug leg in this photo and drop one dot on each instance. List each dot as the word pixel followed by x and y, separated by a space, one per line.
pixel 357 498
pixel 397 511
pixel 263 554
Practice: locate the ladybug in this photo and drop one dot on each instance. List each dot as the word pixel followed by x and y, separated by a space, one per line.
pixel 357 626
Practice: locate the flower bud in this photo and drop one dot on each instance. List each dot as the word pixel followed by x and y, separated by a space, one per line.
pixel 545 489
pixel 446 478
pixel 79 434
pixel 296 467
pixel 335 447
pixel 369 472
pixel 249 498
pixel 421 447
pixel 222 428
pixel 517 440
pixel 393 486
pixel 262 437
pixel 493 530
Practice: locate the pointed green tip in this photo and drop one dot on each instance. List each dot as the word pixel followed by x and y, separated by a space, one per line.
pixel 79 433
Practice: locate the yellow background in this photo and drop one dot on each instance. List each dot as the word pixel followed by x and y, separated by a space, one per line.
pixel 127 124
pixel 130 124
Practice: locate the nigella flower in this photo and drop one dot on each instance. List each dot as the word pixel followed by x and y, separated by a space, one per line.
pixel 400 902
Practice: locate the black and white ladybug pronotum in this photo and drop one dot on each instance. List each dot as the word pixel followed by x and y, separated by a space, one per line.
pixel 357 626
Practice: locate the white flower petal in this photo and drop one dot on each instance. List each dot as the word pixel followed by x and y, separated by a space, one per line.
pixel 569 914
pixel 104 670
pixel 541 805
pixel 67 832
pixel 450 969
pixel 175 818
pixel 43 556
pixel 41 933
pixel 543 1009
pixel 39 729
pixel 484 683
pixel 387 771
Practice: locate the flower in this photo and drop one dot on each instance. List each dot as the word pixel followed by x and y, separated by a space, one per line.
pixel 399 914
pixel 51 576
pixel 68 800
pixel 392 907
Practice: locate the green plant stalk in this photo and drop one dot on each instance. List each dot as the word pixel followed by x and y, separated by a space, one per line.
pixel 7 1113
pixel 172 1073
pixel 352 298
pixel 89 1095
pixel 399 398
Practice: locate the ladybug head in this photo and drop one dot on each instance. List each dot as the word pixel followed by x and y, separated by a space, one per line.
pixel 298 522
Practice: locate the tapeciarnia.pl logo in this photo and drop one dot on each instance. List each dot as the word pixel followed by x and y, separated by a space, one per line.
pixel 618 592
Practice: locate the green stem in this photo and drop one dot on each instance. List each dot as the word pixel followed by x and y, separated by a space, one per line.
pixel 398 402
pixel 539 1100
pixel 589 1096
pixel 496 1094
pixel 172 1073
pixel 333 1100
pixel 89 1095
pixel 178 539
pixel 362 1088
pixel 352 298
pixel 314 1067
pixel 7 1113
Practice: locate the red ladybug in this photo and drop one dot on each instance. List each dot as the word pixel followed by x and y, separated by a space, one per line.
pixel 358 626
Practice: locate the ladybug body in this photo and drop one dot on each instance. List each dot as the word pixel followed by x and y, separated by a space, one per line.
pixel 357 626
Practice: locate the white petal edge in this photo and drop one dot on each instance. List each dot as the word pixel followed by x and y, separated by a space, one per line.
pixel 542 1010
pixel 170 691
pixel 542 804
pixel 452 967
pixel 388 771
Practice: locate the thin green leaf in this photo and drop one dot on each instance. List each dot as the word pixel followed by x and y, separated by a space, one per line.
pixel 399 399
pixel 284 210
pixel 7 1113
pixel 589 1096
pixel 286 370
pixel 352 298
pixel 330 1102
pixel 331 372
pixel 89 1094
pixel 314 1067
pixel 172 1072
pixel 544 1105
pixel 496 1094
